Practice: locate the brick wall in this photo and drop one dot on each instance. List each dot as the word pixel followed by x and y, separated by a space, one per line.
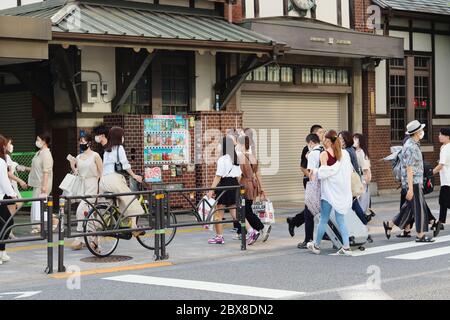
pixel 236 12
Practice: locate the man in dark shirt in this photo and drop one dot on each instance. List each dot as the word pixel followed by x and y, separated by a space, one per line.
pixel 101 138
pixel 305 216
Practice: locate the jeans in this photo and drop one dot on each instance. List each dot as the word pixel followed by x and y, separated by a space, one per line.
pixel 325 211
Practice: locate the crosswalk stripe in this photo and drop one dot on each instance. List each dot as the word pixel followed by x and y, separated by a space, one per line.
pixel 208 286
pixel 423 254
pixel 396 246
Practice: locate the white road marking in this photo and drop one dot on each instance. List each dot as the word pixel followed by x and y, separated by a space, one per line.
pixel 21 295
pixel 396 246
pixel 418 255
pixel 208 286
pixel 363 293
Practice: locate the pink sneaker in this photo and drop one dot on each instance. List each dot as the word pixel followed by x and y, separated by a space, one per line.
pixel 216 240
pixel 252 237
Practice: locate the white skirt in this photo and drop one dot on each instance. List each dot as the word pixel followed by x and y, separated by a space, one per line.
pixel 36 207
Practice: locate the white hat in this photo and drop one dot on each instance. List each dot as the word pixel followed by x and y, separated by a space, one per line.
pixel 414 126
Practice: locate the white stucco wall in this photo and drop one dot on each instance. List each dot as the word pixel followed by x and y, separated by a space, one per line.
pixel 401 34
pixel 380 85
pixel 422 42
pixel 205 78
pixel 442 45
pixel 99 59
pixel 326 10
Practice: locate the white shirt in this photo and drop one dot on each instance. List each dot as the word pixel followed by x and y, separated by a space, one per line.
pixel 314 158
pixel 226 168
pixel 110 159
pixel 336 183
pixel 5 184
pixel 444 159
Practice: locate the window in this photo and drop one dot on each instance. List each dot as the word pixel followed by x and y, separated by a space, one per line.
pixel 259 74
pixel 175 89
pixel 330 76
pixel 306 75
pixel 342 77
pixel 399 98
pixel 317 76
pixel 273 74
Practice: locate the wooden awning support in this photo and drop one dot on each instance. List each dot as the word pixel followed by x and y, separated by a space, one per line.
pixel 66 72
pixel 232 84
pixel 130 83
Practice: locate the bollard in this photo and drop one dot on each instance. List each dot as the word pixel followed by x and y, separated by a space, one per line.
pixel 240 210
pixel 49 206
pixel 158 212
pixel 164 222
pixel 61 267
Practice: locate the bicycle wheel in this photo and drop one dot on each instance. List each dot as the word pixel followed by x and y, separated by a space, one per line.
pixel 100 220
pixel 148 240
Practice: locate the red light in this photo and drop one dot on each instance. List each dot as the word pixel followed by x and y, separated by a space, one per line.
pixel 424 104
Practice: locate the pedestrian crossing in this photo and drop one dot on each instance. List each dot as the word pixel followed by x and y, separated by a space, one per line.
pixel 425 250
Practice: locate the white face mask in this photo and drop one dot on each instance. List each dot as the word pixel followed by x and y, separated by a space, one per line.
pixel 39 144
pixel 356 143
pixel 10 148
pixel 421 135
pixel 123 140
pixel 97 139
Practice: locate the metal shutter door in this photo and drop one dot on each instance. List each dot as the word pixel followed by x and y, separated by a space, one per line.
pixel 16 120
pixel 293 114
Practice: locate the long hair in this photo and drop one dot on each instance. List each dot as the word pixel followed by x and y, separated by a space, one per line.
pixel 8 140
pixel 228 148
pixel 348 138
pixel 3 144
pixel 362 143
pixel 249 133
pixel 114 138
pixel 335 143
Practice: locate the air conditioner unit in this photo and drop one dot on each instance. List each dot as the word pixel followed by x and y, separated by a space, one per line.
pixel 90 91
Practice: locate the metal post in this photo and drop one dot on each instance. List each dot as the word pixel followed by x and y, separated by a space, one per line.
pixel 240 210
pixel 49 206
pixel 164 222
pixel 157 225
pixel 61 267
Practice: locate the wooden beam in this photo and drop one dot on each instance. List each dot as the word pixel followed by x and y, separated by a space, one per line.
pixel 66 72
pixel 131 82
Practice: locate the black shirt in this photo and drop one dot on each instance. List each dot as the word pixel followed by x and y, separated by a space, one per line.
pixel 303 159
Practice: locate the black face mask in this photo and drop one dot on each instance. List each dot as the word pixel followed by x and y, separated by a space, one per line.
pixel 83 147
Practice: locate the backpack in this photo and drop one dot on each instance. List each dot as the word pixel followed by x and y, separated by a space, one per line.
pixel 397 167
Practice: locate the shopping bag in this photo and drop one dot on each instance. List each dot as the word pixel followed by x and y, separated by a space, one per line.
pixel 364 199
pixel 357 185
pixel 313 196
pixel 204 208
pixel 265 211
pixel 71 185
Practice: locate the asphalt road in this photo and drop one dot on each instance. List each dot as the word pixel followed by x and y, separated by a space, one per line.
pixel 388 269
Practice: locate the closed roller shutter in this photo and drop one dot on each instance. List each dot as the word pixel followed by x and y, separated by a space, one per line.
pixel 293 115
pixel 16 120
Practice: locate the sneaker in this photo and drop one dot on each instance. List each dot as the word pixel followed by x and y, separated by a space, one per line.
pixel 311 246
pixel 344 252
pixel 266 232
pixel 216 240
pixel 252 237
pixel 237 236
pixel 303 245
pixel 4 257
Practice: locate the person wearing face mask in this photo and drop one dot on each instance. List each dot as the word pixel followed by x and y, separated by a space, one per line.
pixel 6 192
pixel 88 166
pixel 115 182
pixel 41 176
pixel 101 138
pixel 416 209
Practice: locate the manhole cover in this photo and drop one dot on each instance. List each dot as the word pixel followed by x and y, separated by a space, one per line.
pixel 107 259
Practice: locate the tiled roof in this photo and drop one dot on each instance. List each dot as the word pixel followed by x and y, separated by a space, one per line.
pixel 441 7
pixel 101 18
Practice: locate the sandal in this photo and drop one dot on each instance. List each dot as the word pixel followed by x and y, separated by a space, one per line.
pixel 386 229
pixel 404 234
pixel 425 239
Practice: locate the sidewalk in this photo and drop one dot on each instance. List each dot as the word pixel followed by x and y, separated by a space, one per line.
pixel 286 208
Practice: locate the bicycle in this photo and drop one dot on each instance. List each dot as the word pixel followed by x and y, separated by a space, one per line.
pixel 106 216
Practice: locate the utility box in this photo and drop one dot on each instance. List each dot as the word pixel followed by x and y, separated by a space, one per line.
pixel 90 91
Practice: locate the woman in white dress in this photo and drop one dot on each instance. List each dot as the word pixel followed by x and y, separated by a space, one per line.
pixel 88 166
pixel 41 178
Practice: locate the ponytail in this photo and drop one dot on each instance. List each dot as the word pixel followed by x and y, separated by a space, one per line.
pixel 335 144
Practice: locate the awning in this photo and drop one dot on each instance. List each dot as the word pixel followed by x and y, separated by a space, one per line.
pixel 312 37
pixel 125 23
pixel 23 39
